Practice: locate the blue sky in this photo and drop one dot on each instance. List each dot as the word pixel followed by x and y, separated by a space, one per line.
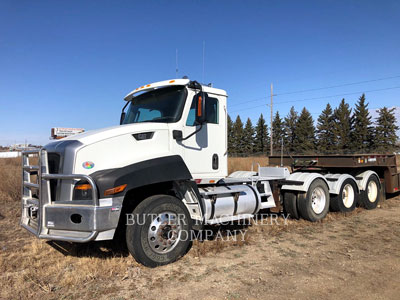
pixel 70 63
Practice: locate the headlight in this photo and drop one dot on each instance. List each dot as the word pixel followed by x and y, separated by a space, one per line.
pixel 82 191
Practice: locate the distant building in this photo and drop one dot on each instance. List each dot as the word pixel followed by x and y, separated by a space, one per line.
pixel 18 147
pixel 62 132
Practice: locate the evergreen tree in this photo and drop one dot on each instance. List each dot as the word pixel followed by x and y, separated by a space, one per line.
pixel 238 136
pixel 231 139
pixel 362 131
pixel 278 132
pixel 262 138
pixel 342 127
pixel 304 141
pixel 385 130
pixel 248 137
pixel 325 134
pixel 290 129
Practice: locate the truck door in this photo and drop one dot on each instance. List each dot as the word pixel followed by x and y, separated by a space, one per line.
pixel 205 152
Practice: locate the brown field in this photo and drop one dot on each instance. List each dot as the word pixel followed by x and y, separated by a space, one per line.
pixel 245 163
pixel 344 256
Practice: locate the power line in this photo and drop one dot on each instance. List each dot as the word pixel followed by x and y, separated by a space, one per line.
pixel 337 95
pixel 248 101
pixel 335 86
pixel 317 98
pixel 316 89
pixel 248 108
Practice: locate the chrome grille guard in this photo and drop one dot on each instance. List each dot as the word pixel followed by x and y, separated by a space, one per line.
pixel 32 216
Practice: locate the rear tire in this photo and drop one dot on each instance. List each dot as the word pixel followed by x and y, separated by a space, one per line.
pixel 290 204
pixel 371 196
pixel 346 200
pixel 314 205
pixel 161 232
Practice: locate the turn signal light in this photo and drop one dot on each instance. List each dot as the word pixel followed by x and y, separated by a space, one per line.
pixel 199 112
pixel 83 187
pixel 115 190
pixel 82 191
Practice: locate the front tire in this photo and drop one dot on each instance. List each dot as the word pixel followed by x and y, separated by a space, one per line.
pixel 161 232
pixel 314 205
pixel 346 200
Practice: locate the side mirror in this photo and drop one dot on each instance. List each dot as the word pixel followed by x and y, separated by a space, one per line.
pixel 200 109
pixel 122 118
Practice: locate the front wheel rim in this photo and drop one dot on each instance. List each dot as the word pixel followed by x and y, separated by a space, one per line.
pixel 318 200
pixel 372 191
pixel 164 232
pixel 348 195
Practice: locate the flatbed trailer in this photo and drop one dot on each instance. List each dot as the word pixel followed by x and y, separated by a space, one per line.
pixel 387 166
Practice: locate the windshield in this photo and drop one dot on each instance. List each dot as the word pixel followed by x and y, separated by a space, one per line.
pixel 163 105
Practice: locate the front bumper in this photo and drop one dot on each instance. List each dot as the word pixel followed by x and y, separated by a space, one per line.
pixel 65 220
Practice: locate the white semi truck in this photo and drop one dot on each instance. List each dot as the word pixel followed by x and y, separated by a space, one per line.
pixel 162 173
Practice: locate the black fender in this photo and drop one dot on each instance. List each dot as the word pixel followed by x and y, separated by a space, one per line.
pixel 157 170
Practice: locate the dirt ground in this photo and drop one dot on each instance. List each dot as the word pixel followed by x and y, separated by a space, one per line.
pixel 354 256
pixel 345 256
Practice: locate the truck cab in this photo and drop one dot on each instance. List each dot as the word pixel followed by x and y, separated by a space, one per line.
pixel 176 104
pixel 172 136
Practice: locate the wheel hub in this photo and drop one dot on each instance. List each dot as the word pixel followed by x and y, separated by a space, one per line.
pixel 372 191
pixel 318 200
pixel 164 232
pixel 348 195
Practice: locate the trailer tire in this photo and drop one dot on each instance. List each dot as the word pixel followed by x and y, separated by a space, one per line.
pixel 314 205
pixel 290 204
pixel 371 196
pixel 346 200
pixel 161 231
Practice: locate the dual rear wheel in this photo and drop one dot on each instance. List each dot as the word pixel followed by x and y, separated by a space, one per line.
pixel 315 204
pixel 312 206
pixel 346 200
pixel 370 197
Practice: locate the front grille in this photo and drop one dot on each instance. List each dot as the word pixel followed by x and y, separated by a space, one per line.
pixel 53 160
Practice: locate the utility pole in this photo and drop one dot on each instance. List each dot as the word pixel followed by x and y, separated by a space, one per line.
pixel 271 130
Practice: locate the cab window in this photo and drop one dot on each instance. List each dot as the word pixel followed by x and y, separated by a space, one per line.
pixel 211 111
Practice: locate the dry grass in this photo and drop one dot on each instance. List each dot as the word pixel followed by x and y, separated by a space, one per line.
pixel 10 186
pixel 245 163
pixel 10 178
pixel 47 271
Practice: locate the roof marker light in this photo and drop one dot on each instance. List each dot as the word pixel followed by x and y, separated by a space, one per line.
pixel 171 81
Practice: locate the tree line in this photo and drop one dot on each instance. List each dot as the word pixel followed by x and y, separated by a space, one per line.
pixel 339 130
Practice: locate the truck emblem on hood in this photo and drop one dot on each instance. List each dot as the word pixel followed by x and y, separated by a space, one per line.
pixel 88 165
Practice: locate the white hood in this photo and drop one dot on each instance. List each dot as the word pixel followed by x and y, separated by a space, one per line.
pixel 115 147
pixel 94 136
